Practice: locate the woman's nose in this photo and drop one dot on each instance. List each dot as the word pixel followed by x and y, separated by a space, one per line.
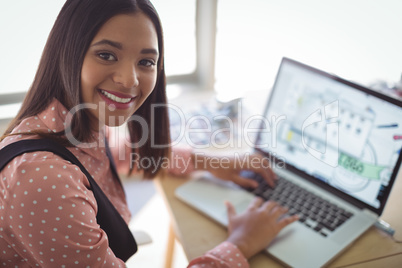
pixel 126 76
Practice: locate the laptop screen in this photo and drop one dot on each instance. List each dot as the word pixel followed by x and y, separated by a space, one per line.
pixel 333 130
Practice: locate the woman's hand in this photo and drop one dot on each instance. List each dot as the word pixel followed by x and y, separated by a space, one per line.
pixel 229 168
pixel 255 228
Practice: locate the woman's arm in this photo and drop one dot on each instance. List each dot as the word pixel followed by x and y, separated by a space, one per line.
pixel 52 215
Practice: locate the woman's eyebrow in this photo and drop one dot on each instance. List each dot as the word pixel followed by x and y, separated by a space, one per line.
pixel 120 46
pixel 110 43
pixel 149 51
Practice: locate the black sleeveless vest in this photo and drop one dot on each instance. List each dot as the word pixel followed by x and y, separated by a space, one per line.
pixel 121 240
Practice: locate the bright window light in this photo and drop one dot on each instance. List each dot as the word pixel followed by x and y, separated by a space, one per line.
pixel 358 40
pixel 178 22
pixel 25 26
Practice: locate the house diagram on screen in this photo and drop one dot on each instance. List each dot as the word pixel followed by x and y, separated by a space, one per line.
pixel 325 124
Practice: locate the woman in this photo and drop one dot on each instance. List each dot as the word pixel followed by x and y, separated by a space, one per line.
pixel 103 63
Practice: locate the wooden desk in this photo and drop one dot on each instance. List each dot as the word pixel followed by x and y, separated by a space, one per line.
pixel 198 234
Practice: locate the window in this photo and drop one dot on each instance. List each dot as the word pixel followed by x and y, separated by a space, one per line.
pixel 25 26
pixel 358 40
pixel 178 22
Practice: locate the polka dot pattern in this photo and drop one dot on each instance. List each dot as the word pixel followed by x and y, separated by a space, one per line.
pixel 47 213
pixel 226 255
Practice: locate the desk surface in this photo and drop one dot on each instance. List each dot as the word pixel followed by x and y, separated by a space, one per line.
pixel 198 234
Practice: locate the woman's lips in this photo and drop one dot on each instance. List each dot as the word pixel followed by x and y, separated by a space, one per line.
pixel 119 100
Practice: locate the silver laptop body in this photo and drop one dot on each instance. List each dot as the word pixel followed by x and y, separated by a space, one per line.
pixel 339 141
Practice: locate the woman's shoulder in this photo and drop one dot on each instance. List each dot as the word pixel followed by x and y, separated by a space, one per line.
pixel 50 120
pixel 22 131
pixel 39 166
pixel 43 164
pixel 42 186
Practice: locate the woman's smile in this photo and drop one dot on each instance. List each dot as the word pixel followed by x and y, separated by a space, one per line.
pixel 119 100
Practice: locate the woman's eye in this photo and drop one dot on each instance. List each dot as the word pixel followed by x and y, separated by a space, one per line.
pixel 147 63
pixel 107 56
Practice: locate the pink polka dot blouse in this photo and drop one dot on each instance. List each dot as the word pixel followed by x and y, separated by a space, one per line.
pixel 48 215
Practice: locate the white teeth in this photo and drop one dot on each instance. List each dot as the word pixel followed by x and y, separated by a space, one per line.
pixel 115 98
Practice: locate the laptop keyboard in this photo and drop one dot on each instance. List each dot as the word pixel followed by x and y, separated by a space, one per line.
pixel 316 213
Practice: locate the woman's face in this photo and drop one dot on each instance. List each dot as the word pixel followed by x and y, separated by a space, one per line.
pixel 120 69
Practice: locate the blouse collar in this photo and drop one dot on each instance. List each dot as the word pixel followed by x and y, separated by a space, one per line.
pixel 56 118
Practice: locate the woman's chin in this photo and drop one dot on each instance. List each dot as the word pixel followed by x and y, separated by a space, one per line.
pixel 115 124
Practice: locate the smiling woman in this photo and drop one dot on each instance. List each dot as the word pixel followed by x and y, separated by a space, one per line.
pixel 119 67
pixel 32 20
pixel 61 200
pixel 79 68
pixel 70 74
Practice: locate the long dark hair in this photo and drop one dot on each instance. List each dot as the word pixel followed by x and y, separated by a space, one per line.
pixel 59 72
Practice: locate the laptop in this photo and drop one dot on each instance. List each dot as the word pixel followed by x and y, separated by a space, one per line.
pixel 336 148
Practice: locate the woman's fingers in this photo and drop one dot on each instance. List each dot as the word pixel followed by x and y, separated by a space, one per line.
pixel 253 229
pixel 269 206
pixel 272 208
pixel 282 223
pixel 264 169
pixel 230 210
pixel 244 182
pixel 277 213
pixel 256 203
